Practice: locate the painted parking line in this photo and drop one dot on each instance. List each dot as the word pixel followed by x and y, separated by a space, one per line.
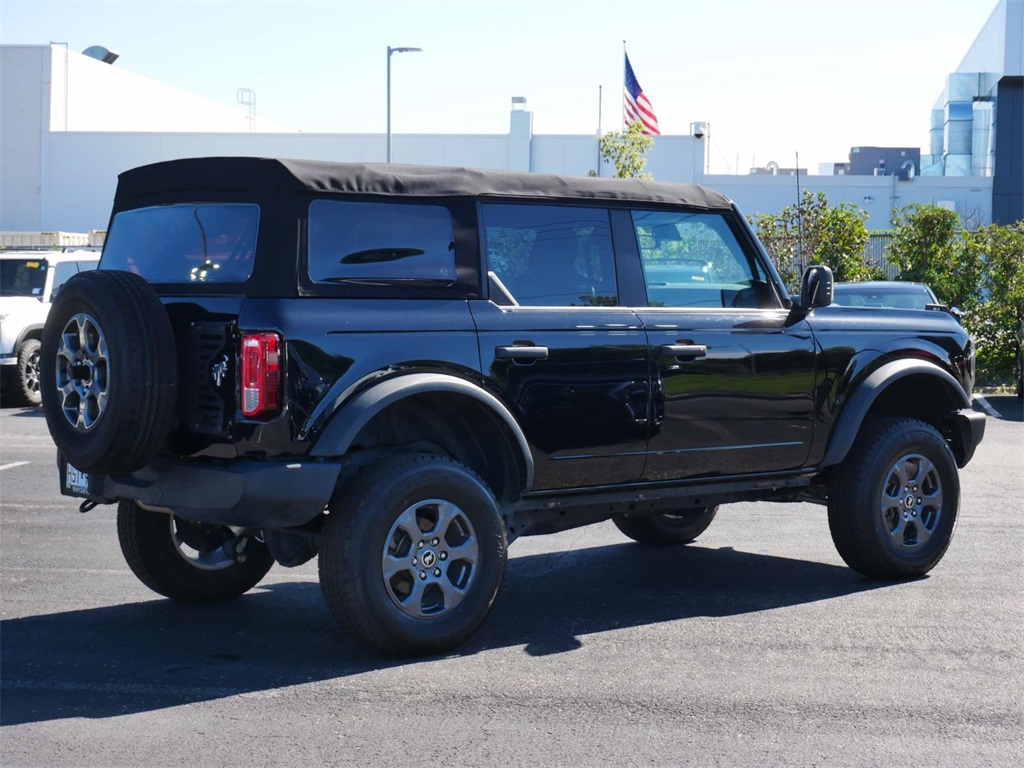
pixel 12 465
pixel 985 406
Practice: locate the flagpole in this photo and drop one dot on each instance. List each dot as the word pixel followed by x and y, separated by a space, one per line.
pixel 599 130
pixel 622 125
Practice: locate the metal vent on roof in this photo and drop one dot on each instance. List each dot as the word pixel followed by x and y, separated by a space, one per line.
pixel 102 54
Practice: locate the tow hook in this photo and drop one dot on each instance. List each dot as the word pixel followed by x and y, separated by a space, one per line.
pixel 87 506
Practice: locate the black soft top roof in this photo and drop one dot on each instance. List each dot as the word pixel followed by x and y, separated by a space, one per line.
pixel 196 175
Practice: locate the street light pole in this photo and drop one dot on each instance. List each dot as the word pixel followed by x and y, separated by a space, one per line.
pixel 391 51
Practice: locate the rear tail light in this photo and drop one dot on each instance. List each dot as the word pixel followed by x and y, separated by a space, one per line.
pixel 261 374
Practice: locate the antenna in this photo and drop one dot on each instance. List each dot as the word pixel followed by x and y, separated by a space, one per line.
pixel 799 219
pixel 247 98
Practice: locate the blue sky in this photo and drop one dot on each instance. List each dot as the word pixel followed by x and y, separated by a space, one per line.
pixel 773 77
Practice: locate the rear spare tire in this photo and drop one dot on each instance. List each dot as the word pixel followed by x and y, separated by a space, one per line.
pixel 108 372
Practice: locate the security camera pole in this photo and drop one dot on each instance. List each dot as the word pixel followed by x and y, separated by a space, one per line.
pixel 391 51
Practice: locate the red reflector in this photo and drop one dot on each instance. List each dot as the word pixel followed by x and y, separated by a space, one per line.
pixel 261 374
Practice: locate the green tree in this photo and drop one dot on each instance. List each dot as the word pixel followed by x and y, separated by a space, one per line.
pixel 931 245
pixel 815 232
pixel 999 318
pixel 625 150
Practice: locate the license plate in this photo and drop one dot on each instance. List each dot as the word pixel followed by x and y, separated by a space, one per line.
pixel 76 481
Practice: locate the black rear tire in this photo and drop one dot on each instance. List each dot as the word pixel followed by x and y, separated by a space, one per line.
pixel 403 510
pixel 668 528
pixel 127 369
pixel 186 561
pixel 893 502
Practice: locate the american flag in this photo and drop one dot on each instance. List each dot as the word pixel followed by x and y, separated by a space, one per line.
pixel 638 106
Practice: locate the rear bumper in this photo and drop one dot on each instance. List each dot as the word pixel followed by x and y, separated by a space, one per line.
pixel 968 431
pixel 244 493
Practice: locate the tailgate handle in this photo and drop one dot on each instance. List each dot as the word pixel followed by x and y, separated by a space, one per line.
pixel 684 350
pixel 521 353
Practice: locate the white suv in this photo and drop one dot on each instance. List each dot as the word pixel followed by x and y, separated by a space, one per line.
pixel 28 281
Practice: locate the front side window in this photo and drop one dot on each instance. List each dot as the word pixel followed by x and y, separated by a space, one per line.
pixel 551 256
pixel 185 243
pixel 380 243
pixel 695 260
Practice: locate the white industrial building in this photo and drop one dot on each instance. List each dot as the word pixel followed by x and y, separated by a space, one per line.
pixel 977 124
pixel 71 123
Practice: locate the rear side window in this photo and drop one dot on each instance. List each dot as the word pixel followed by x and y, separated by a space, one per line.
pixel 186 243
pixel 65 270
pixel 380 243
pixel 551 256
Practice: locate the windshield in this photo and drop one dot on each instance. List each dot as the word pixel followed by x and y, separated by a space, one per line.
pixel 888 297
pixel 22 277
pixel 189 243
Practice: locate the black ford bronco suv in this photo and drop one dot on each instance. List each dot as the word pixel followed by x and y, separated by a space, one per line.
pixel 402 369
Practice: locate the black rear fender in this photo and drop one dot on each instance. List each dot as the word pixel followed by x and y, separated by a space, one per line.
pixel 461 418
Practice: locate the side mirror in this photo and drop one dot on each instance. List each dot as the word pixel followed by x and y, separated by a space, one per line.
pixel 816 287
pixel 955 312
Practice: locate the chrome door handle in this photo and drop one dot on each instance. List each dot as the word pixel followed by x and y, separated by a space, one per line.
pixel 684 350
pixel 521 353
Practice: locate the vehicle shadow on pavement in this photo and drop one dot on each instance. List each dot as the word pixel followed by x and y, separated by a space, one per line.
pixel 22 412
pixel 116 660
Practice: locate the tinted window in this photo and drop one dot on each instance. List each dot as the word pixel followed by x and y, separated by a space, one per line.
pixel 198 243
pixel 694 260
pixel 891 297
pixel 353 242
pixel 22 277
pixel 551 256
pixel 62 272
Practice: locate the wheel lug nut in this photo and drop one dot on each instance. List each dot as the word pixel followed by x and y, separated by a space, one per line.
pixel 434 541
pixel 423 574
pixel 420 545
pixel 443 556
pixel 414 561
pixel 919 501
pixel 437 571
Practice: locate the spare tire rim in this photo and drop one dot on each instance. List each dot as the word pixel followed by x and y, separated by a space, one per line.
pixel 911 501
pixel 430 558
pixel 83 375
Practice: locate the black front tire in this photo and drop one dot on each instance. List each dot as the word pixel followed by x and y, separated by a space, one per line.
pixel 27 377
pixel 893 502
pixel 186 561
pixel 667 528
pixel 401 507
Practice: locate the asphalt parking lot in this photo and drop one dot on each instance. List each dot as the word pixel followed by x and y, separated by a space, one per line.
pixel 755 646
